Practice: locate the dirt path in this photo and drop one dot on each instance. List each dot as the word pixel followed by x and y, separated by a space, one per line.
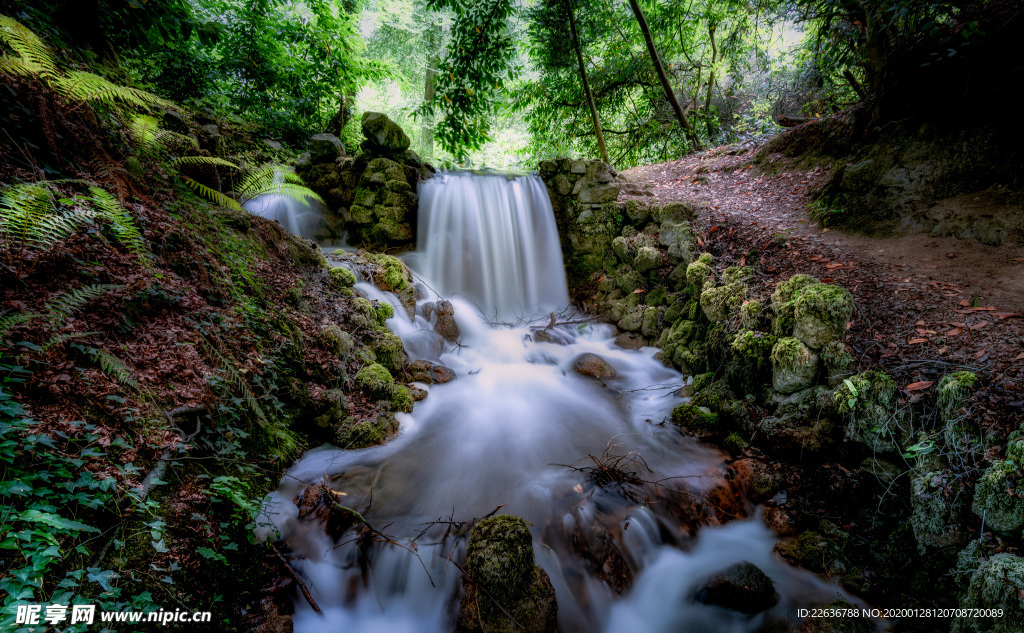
pixel 926 305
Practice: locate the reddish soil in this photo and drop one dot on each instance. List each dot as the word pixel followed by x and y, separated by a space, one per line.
pixel 926 306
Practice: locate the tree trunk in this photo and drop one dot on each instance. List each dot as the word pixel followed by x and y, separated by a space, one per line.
pixel 586 84
pixel 429 86
pixel 711 78
pixel 656 60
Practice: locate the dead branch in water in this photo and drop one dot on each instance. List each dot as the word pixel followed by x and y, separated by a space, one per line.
pixel 302 585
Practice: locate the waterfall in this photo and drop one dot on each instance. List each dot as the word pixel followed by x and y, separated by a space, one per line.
pixel 491 238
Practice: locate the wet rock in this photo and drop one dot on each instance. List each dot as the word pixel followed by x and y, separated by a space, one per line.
pixel 429 373
pixel 998 583
pixel 592 366
pixel 359 433
pixel 382 134
pixel 445 324
pixel 650 326
pixel 401 399
pixel 742 587
pixel 501 571
pixel 325 148
pixel 753 316
pixel 389 351
pixel 330 408
pixel 845 624
pixel 794 366
pixel 720 303
pixel 756 479
pixel 784 302
pixel 821 314
pixel 343 277
pixel 633 320
pixel 552 335
pixel 630 340
pixel 424 345
pixel 678 239
pixel 692 418
pixel 813 551
pixel 337 340
pixel 417 393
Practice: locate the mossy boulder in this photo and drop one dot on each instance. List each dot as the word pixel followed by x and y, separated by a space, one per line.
pixel 998 583
pixel 741 587
pixel 837 362
pixel 362 313
pixel 784 302
pixel 402 399
pixel 999 496
pixel 794 366
pixel 699 274
pixel 754 316
pixel 376 381
pixel 382 134
pixel 678 240
pixel 389 351
pixel 693 418
pixel 939 500
pixel 750 360
pixel 503 579
pixel 758 480
pixel 621 248
pixel 868 401
pixel 359 433
pixel 325 148
pixel 328 410
pixel 593 366
pixel 676 212
pixel 814 551
pixel 343 277
pixel 650 326
pixel 718 398
pixel 647 259
pixel 633 320
pixel 821 313
pixel 720 303
pixel 337 340
pixel 958 430
pixel 383 206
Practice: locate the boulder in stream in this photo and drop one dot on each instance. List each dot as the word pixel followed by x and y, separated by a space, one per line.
pixel 325 148
pixel 742 587
pixel 593 366
pixel 502 580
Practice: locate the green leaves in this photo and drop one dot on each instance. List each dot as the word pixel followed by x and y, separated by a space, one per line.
pixel 56 521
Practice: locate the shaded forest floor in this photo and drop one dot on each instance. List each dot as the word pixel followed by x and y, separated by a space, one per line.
pixel 926 306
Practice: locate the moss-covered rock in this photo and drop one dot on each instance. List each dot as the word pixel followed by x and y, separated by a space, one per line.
pixel 998 583
pixel 733 274
pixel 699 274
pixel 389 351
pixel 999 496
pixel 629 280
pixel 633 320
pixel 939 500
pixel 355 433
pixel 754 316
pixel 376 381
pixel 750 360
pixel 821 314
pixel 718 398
pixel 651 324
pixel 958 430
pixel 837 362
pixel 868 401
pixel 402 399
pixel 389 273
pixel 383 134
pixel 363 314
pixel 720 303
pixel 784 302
pixel 647 258
pixel 794 366
pixel 503 579
pixel 343 277
pixel 621 248
pixel 678 240
pixel 693 418
pixel 337 340
pixel 814 551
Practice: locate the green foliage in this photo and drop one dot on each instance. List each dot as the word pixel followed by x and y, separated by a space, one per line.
pixel 478 59
pixel 62 306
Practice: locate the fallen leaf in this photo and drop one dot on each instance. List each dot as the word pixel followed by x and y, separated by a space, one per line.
pixel 983 309
pixel 833 266
pixel 918 386
pixel 1019 356
pixel 953 332
pixel 827 280
pixel 979 354
pixel 1017 259
pixel 1006 315
pixel 965 302
pixel 979 325
pixel 943 349
pixel 638 291
pixel 915 341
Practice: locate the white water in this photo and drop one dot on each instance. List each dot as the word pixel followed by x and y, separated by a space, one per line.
pixel 504 432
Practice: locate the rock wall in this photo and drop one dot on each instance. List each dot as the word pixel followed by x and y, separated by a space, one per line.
pixel 371 197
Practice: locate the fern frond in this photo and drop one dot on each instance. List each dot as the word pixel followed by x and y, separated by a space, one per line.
pixel 121 222
pixel 148 134
pixel 278 180
pixel 59 308
pixel 234 377
pixel 8 321
pixel 289 190
pixel 212 194
pixel 27 218
pixel 61 338
pixel 14 66
pixel 79 85
pixel 36 57
pixel 114 367
pixel 204 160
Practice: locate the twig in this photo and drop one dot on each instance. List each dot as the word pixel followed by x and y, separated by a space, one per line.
pixel 302 586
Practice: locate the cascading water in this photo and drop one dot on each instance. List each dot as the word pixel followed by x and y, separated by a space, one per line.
pixel 519 427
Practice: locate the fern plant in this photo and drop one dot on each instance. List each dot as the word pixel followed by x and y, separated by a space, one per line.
pixel 62 306
pixel 275 179
pixel 33 57
pixel 150 137
pixel 32 219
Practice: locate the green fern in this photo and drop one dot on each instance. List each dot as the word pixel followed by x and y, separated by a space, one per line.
pixel 59 308
pixel 278 180
pixel 121 221
pixel 204 160
pixel 7 321
pixel 61 338
pixel 28 220
pixel 34 56
pixel 211 194
pixel 113 366
pixel 79 85
pixel 149 135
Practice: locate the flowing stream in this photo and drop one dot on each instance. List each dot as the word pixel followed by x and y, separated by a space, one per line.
pixel 519 428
